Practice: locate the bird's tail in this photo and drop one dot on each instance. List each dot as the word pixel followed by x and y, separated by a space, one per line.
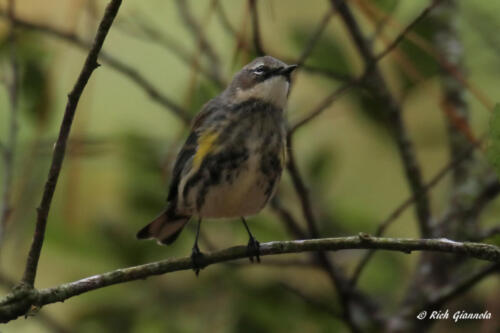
pixel 165 228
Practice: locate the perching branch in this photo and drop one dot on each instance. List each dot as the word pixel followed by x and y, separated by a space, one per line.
pixel 60 146
pixel 21 300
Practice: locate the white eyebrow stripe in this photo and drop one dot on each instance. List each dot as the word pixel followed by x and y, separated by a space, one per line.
pixel 260 63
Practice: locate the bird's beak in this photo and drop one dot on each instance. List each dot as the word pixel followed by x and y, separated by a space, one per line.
pixel 287 71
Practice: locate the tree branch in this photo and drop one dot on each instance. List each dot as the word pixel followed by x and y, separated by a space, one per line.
pixel 379 89
pixel 145 30
pixel 324 104
pixel 60 146
pixel 21 300
pixel 407 203
pixel 198 32
pixel 287 218
pixel 486 233
pixel 314 39
pixel 257 39
pixel 446 293
pixel 313 301
pixel 405 31
pixel 351 82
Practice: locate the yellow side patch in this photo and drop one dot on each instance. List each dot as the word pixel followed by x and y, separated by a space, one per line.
pixel 282 156
pixel 205 146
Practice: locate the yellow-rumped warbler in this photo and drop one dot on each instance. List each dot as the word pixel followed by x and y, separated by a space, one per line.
pixel 233 158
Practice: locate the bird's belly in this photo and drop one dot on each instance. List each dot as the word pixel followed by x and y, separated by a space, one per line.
pixel 245 194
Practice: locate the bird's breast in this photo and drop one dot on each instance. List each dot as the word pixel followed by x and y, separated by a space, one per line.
pixel 242 175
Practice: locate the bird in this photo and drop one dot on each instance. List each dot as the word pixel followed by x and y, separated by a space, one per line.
pixel 231 162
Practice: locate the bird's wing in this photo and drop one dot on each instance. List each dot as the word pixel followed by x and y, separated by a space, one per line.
pixel 190 146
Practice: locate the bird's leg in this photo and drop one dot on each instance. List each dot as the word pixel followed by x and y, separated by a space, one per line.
pixel 253 244
pixel 196 254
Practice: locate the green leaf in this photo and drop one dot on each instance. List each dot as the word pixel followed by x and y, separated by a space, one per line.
pixel 493 152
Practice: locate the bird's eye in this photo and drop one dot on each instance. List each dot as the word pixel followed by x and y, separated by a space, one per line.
pixel 260 70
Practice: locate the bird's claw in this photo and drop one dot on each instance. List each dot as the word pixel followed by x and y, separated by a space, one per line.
pixel 196 255
pixel 253 248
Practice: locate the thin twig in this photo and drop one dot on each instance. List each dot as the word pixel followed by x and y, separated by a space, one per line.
pixel 286 216
pixel 301 190
pixel 337 277
pixel 313 40
pixel 149 32
pixel 196 59
pixel 113 62
pixel 256 35
pixel 427 47
pixel 405 31
pixel 446 293
pixel 60 146
pixel 324 104
pixel 21 300
pixel 9 149
pixel 223 19
pixel 311 300
pixel 241 42
pixel 356 81
pixel 379 89
pixel 486 233
pixel 384 225
pixel 198 33
pixel 487 193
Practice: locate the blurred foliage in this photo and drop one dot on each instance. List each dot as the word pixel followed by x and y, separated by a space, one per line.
pixel 122 147
pixel 425 64
pixel 326 54
pixel 144 174
pixel 387 6
pixel 34 78
pixel 494 140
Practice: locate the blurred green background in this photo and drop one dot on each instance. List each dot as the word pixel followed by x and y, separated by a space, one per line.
pixel 115 175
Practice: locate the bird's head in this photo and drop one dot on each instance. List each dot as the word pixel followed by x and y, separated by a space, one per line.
pixel 266 78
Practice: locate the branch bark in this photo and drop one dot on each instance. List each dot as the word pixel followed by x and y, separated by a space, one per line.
pixel 60 146
pixel 21 300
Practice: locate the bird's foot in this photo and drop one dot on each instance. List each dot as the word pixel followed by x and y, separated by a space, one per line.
pixel 196 257
pixel 253 249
